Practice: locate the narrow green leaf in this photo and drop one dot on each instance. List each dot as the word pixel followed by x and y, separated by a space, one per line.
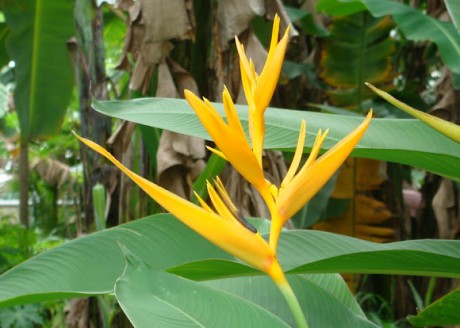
pixel 395 140
pixel 442 312
pixel 99 203
pixel 213 168
pixel 447 128
pixel 39 31
pixel 326 252
pixel 307 251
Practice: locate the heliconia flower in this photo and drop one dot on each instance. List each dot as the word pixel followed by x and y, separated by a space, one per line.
pixel 220 227
pixel 229 137
pixel 259 89
pixel 297 190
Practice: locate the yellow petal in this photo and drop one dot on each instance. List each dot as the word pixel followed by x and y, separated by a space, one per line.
pixel 220 205
pixel 297 156
pixel 235 148
pixel 217 152
pixel 244 62
pixel 268 79
pixel 314 151
pixel 248 87
pixel 258 134
pixel 230 111
pixel 308 182
pixel 225 196
pixel 235 239
pixel 203 204
pixel 274 39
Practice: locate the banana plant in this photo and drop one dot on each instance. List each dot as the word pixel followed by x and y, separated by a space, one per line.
pixel 358 49
pixel 36 42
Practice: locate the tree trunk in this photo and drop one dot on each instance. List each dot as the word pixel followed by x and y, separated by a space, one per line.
pixel 88 54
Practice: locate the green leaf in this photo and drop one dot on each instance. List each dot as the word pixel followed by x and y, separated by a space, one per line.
pixel 4 57
pixel 442 312
pixel 333 8
pixel 453 7
pixel 395 140
pixel 153 298
pixel 39 30
pixel 23 316
pixel 91 265
pixel 308 251
pixel 447 128
pixel 358 49
pixel 327 252
pixel 306 21
pixel 325 299
pixel 213 168
pixel 100 204
pixel 414 24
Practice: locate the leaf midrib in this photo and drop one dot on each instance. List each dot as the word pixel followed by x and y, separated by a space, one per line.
pixel 35 50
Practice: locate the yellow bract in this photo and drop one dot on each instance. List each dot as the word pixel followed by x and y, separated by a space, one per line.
pixel 297 188
pixel 259 89
pixel 229 137
pixel 295 192
pixel 219 229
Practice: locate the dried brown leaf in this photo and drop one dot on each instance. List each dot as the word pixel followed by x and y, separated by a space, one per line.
pixel 153 23
pixel 165 20
pixel 234 17
pixel 52 171
pixel 180 158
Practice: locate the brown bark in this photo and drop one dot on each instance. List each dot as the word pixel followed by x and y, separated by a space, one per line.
pixel 88 56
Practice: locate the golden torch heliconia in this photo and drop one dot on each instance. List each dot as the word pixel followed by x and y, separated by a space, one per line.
pixel 220 222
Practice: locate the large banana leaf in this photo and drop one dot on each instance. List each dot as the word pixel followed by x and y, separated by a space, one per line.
pixel 396 140
pixel 414 24
pixel 38 32
pixel 131 260
pixel 159 261
pixel 358 49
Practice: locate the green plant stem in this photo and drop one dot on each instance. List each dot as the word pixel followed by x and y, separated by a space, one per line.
pixel 293 303
pixel 280 280
pixel 430 290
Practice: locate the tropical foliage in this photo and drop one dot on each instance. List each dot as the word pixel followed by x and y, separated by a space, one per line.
pixel 300 191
